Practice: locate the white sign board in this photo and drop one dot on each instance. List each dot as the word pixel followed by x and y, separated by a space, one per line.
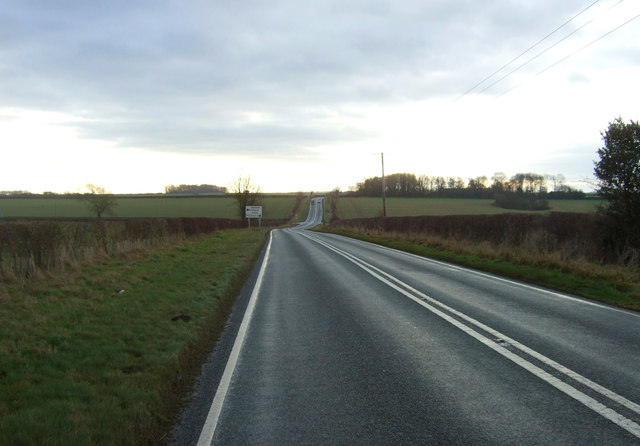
pixel 253 211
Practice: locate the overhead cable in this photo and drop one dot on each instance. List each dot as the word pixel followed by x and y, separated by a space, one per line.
pixel 574 53
pixel 526 51
pixel 588 44
pixel 527 62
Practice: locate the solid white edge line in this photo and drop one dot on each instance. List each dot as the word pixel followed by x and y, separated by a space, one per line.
pixel 210 424
pixel 604 411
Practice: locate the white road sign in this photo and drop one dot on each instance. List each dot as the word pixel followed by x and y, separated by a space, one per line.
pixel 253 211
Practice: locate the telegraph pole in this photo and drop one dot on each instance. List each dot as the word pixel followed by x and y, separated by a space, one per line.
pixel 384 189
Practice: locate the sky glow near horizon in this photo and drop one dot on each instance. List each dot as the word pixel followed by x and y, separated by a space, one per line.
pixel 134 96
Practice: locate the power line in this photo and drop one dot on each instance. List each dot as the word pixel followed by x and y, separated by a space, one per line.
pixel 574 53
pixel 588 44
pixel 547 49
pixel 526 51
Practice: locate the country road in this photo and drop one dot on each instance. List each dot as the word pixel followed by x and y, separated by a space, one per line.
pixel 336 341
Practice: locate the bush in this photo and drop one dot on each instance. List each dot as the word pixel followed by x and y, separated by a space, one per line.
pixel 31 246
pixel 575 235
pixel 521 201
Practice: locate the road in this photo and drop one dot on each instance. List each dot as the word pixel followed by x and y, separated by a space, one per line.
pixel 343 342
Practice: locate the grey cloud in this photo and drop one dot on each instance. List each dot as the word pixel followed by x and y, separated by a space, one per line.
pixel 179 75
pixel 282 135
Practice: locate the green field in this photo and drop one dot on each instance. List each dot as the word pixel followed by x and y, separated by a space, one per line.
pixel 365 207
pixel 274 207
pixel 214 207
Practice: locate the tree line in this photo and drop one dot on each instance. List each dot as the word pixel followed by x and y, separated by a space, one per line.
pixel 194 189
pixel 412 185
pixel 617 171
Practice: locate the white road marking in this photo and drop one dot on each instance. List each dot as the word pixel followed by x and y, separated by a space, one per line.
pixel 314 217
pixel 422 299
pixel 210 424
pixel 504 280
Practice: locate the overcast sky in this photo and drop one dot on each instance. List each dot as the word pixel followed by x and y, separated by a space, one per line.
pixel 305 95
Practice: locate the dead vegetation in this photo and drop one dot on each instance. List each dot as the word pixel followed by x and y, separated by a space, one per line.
pixel 31 248
pixel 574 243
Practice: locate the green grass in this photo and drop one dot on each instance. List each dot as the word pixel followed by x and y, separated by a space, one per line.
pixel 365 207
pixel 302 211
pixel 620 289
pixel 583 206
pixel 216 207
pixel 81 363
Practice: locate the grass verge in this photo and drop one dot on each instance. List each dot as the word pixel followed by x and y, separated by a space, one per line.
pixel 619 286
pixel 82 362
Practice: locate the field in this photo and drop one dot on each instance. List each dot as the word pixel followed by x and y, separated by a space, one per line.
pixel 274 207
pixel 365 207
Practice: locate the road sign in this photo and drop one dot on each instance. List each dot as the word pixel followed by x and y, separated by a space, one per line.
pixel 253 211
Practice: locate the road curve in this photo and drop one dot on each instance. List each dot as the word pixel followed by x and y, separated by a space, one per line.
pixel 314 217
pixel 337 341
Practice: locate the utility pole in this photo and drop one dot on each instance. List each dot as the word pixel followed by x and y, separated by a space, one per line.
pixel 384 189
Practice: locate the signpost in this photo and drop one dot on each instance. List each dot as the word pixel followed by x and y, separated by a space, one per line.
pixel 253 212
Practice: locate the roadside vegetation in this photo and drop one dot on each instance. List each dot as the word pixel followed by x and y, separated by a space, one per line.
pixel 29 249
pixel 570 252
pixel 100 352
pixel 104 322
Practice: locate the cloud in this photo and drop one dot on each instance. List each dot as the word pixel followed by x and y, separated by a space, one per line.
pixel 192 76
pixel 578 77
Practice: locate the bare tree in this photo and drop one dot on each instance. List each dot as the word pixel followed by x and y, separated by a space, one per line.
pixel 500 181
pixel 245 193
pixel 333 197
pixel 99 200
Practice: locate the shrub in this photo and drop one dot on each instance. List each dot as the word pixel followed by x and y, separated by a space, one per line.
pixel 572 234
pixel 521 201
pixel 30 246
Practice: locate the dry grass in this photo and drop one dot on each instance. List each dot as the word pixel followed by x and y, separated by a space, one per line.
pixel 528 253
pixel 566 252
pixel 30 248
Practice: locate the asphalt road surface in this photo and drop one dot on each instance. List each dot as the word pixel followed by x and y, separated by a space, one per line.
pixel 337 341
